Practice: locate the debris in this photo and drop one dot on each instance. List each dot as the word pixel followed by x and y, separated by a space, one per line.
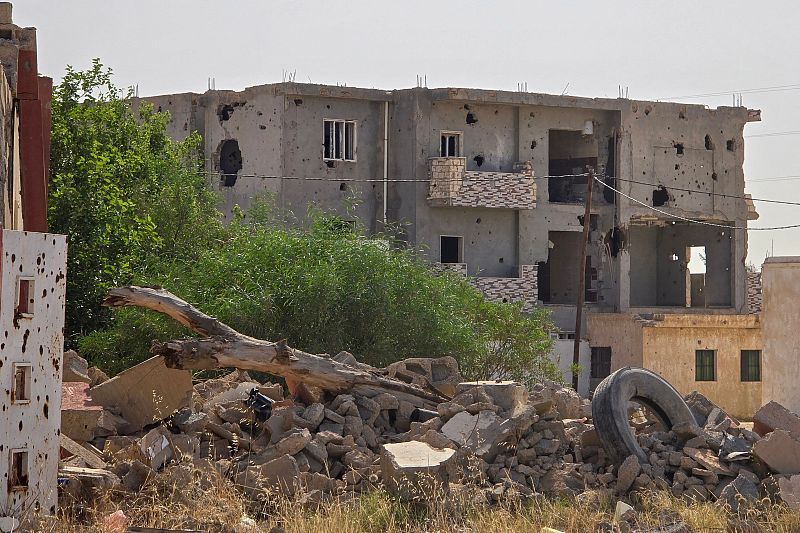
pixel 8 524
pixel 88 457
pixel 628 471
pixel 790 491
pixel 115 522
pixel 774 416
pixel 75 368
pixel 623 512
pixel 80 416
pixel 157 448
pixel 779 451
pixel 739 493
pixel 415 470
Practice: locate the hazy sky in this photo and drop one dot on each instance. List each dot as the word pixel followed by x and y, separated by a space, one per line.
pixel 656 49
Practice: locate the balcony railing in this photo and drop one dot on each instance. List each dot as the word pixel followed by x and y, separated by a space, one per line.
pixel 451 185
pixel 523 288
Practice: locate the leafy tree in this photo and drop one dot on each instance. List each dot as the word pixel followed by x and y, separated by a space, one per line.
pixel 121 189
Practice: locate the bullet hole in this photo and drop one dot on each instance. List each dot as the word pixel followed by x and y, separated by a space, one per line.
pixel 730 144
pixel 478 160
pixel 224 112
pixel 648 109
pixel 466 107
pixel 13 257
pixel 709 143
pixel 478 221
pixel 46 410
pixel 259 113
pixel 714 176
pixel 342 186
pixel 298 101
pixel 471 118
pixel 533 145
pixel 230 161
pixel 678 148
pixel 682 115
pixel 660 196
pixel 328 106
pixel 330 164
pixel 262 127
pixel 500 260
pixel 677 166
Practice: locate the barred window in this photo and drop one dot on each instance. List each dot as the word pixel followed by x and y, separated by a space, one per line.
pixel 705 368
pixel 751 365
pixel 339 140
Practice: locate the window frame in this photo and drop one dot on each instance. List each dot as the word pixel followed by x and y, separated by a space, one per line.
pixel 344 142
pixel 15 484
pixel 459 135
pixel 599 351
pixel 697 364
pixel 24 396
pixel 460 249
pixel 26 285
pixel 742 367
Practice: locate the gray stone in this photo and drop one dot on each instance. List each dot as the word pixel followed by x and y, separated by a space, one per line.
pixel 739 492
pixel 627 473
pixel 314 414
pixel 780 452
pixel 415 470
pixel 790 491
pixel 774 416
pixel 293 442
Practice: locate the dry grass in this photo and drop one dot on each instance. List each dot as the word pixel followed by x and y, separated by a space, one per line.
pixel 215 506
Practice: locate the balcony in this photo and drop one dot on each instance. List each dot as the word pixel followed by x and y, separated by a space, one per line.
pixel 523 288
pixel 451 185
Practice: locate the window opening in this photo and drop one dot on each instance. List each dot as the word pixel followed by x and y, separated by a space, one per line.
pixel 705 365
pixel 751 365
pixel 339 140
pixel 696 274
pixel 451 249
pixel 25 297
pixel 450 144
pixel 18 474
pixel 21 388
pixel 601 362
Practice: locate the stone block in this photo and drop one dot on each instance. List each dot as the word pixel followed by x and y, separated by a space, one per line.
pixel 509 395
pixel 75 368
pixel 774 416
pixel 145 393
pixel 779 451
pixel 80 416
pixel 440 372
pixel 156 447
pixel 790 491
pixel 415 470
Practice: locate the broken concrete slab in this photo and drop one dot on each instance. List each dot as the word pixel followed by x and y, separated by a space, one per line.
pixel 281 474
pixel 477 432
pixel 627 473
pixel 774 416
pixel 157 448
pixel 509 395
pixel 790 491
pixel 779 451
pixel 415 470
pixel 441 372
pixel 80 416
pixel 739 493
pixel 75 368
pixel 91 459
pixel 145 393
pixel 709 460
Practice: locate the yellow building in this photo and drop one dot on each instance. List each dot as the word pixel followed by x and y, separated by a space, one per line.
pixel 718 355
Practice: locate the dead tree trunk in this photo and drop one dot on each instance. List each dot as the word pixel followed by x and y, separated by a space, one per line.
pixel 223 347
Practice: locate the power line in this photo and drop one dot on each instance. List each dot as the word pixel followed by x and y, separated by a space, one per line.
pixel 774 88
pixel 694 191
pixel 702 222
pixel 773 134
pixel 381 180
pixel 777 178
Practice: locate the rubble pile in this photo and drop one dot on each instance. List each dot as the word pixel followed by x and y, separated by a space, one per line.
pixel 499 436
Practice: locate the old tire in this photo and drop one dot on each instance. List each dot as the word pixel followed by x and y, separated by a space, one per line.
pixel 610 409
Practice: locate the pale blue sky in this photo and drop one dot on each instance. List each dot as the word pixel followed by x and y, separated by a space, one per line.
pixel 656 49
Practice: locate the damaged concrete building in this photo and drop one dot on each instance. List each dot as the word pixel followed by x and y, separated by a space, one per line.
pixel 492 184
pixel 32 286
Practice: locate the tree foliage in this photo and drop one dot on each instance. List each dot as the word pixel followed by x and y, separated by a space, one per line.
pixel 120 188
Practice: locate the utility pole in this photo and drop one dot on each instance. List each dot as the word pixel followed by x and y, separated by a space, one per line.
pixel 587 216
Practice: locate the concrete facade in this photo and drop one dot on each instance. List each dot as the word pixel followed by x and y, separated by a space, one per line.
pixel 492 183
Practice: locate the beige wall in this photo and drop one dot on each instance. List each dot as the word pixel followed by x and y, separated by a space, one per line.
pixel 669 349
pixel 620 331
pixel 780 278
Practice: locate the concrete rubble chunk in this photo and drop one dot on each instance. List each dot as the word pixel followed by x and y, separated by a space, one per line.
pixel 145 393
pixel 740 492
pixel 627 473
pixel 415 470
pixel 774 416
pixel 281 475
pixel 508 395
pixel 790 491
pixel 75 368
pixel 780 452
pixel 90 458
pixel 477 432
pixel 80 416
pixel 441 372
pixel 708 459
pixel 157 448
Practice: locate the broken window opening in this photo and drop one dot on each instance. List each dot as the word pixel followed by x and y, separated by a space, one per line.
pixel 471 119
pixel 709 143
pixel 696 274
pixel 339 140
pixel 451 249
pixel 600 367
pixel 730 145
pixel 705 367
pixel 751 365
pixel 18 473
pixel 224 112
pixel 615 241
pixel 450 144
pixel 25 297
pixel 478 160
pixel 230 161
pixel 660 196
pixel 678 148
pixel 569 153
pixel 21 387
pixel 557 278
